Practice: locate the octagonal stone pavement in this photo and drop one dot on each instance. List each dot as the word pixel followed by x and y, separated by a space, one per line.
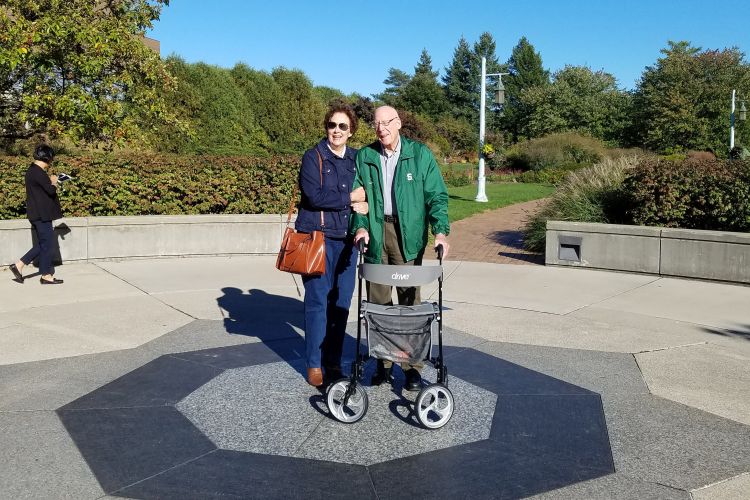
pixel 670 434
pixel 135 436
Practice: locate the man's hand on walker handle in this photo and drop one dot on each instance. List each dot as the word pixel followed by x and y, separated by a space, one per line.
pixel 441 240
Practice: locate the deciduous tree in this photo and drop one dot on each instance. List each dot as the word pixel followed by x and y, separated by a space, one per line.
pixel 79 69
pixel 683 101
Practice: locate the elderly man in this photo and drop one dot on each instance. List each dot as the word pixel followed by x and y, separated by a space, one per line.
pixel 406 195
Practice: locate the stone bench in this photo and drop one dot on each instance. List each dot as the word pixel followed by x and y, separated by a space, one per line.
pixel 689 253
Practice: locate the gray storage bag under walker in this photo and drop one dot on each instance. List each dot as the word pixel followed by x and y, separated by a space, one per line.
pixel 402 334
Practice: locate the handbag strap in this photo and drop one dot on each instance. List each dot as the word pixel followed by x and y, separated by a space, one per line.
pixel 296 188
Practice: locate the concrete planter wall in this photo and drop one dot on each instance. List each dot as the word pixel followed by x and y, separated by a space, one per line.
pixel 686 253
pixel 92 238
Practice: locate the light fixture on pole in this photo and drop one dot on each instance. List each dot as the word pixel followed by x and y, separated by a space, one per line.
pixel 742 117
pixel 499 99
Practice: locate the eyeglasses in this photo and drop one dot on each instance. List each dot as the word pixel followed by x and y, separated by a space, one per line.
pixel 342 126
pixel 384 123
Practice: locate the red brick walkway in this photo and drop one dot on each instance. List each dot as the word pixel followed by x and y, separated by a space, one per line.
pixel 494 236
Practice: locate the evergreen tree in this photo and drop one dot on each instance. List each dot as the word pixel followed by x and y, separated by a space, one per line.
pixel 485 47
pixel 395 83
pixel 424 66
pixel 423 94
pixel 459 89
pixel 526 72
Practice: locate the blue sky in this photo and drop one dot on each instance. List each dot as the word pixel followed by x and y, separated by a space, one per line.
pixel 351 45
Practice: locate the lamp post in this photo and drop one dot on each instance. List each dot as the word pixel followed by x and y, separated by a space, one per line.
pixel 742 117
pixel 499 99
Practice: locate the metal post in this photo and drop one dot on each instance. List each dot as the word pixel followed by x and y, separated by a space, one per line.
pixel 481 195
pixel 731 125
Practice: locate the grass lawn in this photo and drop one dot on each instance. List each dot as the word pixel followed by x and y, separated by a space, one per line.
pixel 461 202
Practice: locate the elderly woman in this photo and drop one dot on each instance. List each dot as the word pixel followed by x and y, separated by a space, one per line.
pixel 42 207
pixel 325 180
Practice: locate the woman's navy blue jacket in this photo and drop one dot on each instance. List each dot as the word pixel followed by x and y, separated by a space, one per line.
pixel 332 197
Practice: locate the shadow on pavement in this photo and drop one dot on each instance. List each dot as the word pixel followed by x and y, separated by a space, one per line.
pixel 742 332
pixel 275 320
pixel 512 239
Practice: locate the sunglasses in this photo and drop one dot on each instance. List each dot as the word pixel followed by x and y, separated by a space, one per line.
pixel 342 126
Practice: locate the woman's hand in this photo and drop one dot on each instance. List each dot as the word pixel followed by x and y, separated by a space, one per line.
pixel 362 235
pixel 53 179
pixel 361 207
pixel 358 195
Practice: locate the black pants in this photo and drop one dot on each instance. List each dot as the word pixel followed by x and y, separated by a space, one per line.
pixel 44 247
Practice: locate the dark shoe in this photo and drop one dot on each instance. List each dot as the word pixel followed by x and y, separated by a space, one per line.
pixel 16 273
pixel 331 375
pixel 413 380
pixel 53 281
pixel 382 374
pixel 315 377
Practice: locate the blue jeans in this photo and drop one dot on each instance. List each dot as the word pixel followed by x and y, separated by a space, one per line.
pixel 327 301
pixel 44 247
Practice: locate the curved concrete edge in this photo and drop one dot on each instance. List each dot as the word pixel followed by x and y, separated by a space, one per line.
pixel 736 488
pixel 705 376
pixel 101 238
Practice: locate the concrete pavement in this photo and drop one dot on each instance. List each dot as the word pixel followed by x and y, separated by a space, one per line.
pixel 669 358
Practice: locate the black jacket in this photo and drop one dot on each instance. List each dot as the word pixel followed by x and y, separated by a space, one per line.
pixel 41 196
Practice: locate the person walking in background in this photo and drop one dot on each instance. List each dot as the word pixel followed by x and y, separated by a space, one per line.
pixel 327 202
pixel 406 194
pixel 42 207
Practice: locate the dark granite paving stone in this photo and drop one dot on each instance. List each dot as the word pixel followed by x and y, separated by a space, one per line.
pixel 248 354
pixel 125 445
pixel 164 380
pixel 503 377
pixel 668 443
pixel 229 474
pixel 478 470
pixel 457 338
pixel 569 428
pixel 601 372
pixel 49 384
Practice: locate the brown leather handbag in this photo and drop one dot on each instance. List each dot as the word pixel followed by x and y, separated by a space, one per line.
pixel 303 253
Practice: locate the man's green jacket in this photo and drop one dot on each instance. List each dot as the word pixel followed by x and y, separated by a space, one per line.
pixel 421 198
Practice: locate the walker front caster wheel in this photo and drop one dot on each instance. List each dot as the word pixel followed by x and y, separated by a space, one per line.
pixel 346 404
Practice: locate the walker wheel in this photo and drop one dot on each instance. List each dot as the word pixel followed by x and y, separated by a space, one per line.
pixel 434 406
pixel 354 408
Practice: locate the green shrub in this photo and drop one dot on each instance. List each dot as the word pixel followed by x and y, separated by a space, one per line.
pixel 160 184
pixel 457 178
pixel 592 194
pixel 552 176
pixel 555 150
pixel 695 193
